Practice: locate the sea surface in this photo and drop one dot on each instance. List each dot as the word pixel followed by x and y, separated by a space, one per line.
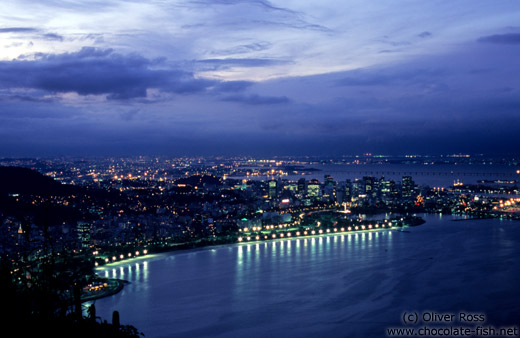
pixel 351 285
pixel 437 175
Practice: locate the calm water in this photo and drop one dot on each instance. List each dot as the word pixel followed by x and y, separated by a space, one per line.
pixel 333 286
pixel 439 175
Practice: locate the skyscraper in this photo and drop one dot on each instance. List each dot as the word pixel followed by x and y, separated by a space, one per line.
pixel 407 187
pixel 272 188
pixel 313 188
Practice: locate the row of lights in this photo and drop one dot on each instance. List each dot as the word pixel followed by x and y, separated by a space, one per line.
pixel 259 228
pixel 121 257
pixel 313 232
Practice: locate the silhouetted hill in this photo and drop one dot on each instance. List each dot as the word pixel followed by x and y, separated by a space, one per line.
pixel 27 183
pixel 17 180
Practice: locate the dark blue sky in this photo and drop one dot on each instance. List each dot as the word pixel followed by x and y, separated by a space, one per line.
pixel 259 77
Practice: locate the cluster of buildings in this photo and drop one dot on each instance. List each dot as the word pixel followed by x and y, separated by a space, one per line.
pixel 149 203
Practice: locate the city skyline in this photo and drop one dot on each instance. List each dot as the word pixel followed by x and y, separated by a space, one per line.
pixel 258 78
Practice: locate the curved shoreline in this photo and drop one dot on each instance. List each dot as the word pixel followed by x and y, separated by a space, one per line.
pixel 110 292
pixel 200 245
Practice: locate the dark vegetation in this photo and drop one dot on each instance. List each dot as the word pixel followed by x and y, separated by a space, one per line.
pixel 40 286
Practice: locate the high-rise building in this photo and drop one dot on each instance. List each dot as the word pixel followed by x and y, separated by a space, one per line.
pixel 302 186
pixel 272 188
pixel 369 185
pixel 357 188
pixel 329 181
pixel 407 187
pixel 291 187
pixel 328 188
pixel 348 191
pixel 385 187
pixel 313 188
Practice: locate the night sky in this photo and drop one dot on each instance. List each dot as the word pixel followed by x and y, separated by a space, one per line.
pixel 239 77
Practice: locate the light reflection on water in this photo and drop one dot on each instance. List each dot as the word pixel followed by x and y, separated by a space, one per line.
pixel 334 285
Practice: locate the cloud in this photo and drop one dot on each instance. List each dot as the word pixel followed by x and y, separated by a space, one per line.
pixel 265 14
pixel 215 64
pixel 424 35
pixel 389 76
pixel 257 99
pixel 232 86
pixel 46 36
pixel 17 29
pixel 27 98
pixel 263 4
pixel 93 71
pixel 53 36
pixel 505 39
pixel 245 48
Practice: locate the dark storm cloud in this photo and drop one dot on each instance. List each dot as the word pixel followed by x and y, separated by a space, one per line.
pixel 92 71
pixel 506 39
pixel 257 99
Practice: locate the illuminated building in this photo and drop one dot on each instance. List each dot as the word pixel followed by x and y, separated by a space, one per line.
pixel 407 187
pixel 301 186
pixel 272 188
pixel 84 229
pixel 313 188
